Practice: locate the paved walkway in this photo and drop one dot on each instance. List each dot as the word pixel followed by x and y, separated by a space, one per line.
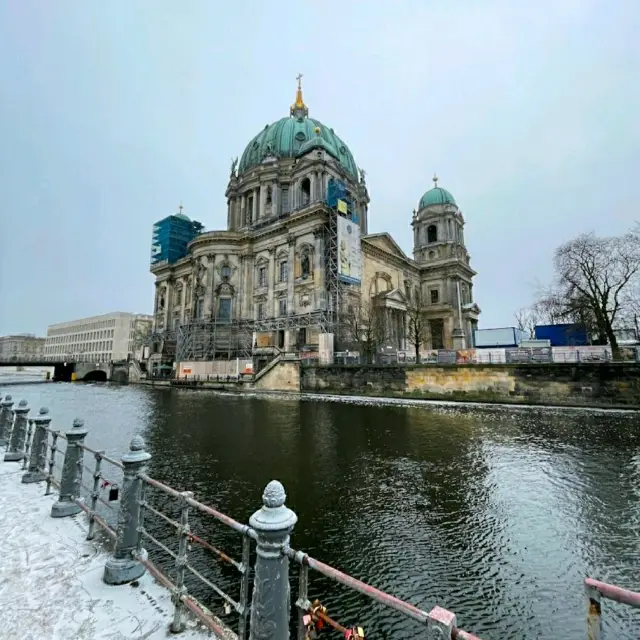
pixel 51 577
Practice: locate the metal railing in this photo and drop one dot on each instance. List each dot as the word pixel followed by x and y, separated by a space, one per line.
pixel 515 355
pixel 596 592
pixel 35 444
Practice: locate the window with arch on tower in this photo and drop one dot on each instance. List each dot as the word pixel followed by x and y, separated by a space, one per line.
pixel 305 192
pixel 432 233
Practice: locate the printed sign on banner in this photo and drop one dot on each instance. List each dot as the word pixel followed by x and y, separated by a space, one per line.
pixel 349 252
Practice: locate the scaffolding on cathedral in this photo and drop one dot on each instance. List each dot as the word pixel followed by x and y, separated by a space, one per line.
pixel 220 340
pixel 217 340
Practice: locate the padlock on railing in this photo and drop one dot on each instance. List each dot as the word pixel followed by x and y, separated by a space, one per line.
pixel 316 609
pixel 227 608
pixel 113 492
pixel 355 633
pixel 311 633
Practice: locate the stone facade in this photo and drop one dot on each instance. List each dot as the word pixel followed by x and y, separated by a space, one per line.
pixel 98 339
pixel 611 384
pixel 265 279
pixel 22 346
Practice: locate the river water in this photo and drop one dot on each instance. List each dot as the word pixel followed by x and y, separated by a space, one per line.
pixel 495 513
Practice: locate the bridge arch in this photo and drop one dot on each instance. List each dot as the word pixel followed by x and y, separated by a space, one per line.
pixel 96 375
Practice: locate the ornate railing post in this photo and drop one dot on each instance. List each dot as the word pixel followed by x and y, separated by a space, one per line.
pixel 27 444
pixel 123 566
pixel 271 604
pixel 15 450
pixel 71 472
pixel 6 420
pixel 37 460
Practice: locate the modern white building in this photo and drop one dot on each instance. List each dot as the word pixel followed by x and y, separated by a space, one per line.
pixel 21 346
pixel 106 338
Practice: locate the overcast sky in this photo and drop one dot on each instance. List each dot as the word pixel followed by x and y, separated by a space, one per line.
pixel 111 113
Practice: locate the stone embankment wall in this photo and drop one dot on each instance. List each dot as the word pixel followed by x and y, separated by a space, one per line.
pixel 557 384
pixel 284 375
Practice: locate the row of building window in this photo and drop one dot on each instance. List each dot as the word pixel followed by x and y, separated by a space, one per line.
pixel 87 327
pixel 283 270
pixel 73 349
pixel 455 233
pixel 261 309
pixel 305 199
pixel 76 337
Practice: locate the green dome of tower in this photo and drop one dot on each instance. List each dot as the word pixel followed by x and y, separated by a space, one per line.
pixel 437 195
pixel 294 136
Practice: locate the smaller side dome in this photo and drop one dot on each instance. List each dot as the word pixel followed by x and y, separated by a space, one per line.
pixel 437 195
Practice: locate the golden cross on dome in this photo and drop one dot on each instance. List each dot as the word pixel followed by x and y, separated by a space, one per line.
pixel 299 108
pixel 435 180
pixel 180 208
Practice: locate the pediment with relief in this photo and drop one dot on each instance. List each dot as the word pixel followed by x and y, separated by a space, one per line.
pixel 386 242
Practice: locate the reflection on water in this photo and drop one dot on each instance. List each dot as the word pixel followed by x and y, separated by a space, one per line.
pixel 494 513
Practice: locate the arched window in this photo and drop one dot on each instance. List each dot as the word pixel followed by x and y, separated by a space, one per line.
pixel 432 233
pixel 305 191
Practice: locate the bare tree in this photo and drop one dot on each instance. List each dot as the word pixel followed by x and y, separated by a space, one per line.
pixel 417 324
pixel 593 278
pixel 364 325
pixel 141 335
pixel 527 319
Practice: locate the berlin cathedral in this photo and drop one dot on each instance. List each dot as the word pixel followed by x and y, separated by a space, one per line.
pixel 296 247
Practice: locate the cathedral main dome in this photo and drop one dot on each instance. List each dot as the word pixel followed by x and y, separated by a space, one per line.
pixel 294 136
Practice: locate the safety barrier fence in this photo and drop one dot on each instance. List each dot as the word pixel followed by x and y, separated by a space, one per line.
pixel 36 445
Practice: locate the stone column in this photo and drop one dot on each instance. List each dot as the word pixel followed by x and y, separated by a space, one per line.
pixel 243 208
pixel 36 471
pixel 271 603
pixel 71 472
pixel 15 450
pixel 6 420
pixel 313 182
pixel 208 290
pixel 271 278
pixel 263 201
pixel 291 308
pixel 275 198
pixel 123 567
pixel 254 214
pixel 168 305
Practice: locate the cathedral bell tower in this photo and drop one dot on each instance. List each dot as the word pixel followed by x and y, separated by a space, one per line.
pixel 443 260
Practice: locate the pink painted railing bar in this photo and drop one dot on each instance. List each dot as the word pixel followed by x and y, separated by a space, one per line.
pixel 611 592
pixel 383 598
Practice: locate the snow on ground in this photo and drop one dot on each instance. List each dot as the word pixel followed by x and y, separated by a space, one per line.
pixel 51 578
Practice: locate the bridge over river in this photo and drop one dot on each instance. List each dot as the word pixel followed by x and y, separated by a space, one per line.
pixel 74 368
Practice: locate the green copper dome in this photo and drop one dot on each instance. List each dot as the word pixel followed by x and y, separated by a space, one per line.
pixel 437 195
pixel 294 136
